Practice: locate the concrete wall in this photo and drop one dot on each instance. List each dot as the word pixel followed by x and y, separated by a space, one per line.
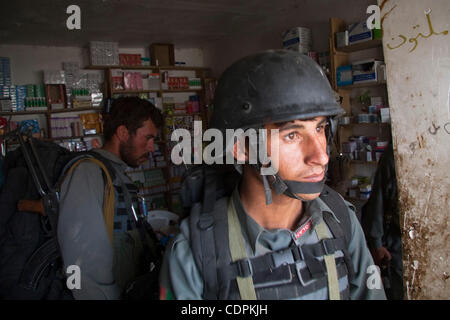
pixel 417 53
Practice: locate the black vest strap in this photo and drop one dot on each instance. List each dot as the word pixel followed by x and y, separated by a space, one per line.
pixel 202 231
pixel 292 255
pixel 209 242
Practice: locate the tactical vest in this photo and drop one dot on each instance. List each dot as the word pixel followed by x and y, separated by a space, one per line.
pixel 130 256
pixel 291 273
pixel 123 214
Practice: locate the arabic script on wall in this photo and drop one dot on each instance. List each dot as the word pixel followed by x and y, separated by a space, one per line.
pixel 401 39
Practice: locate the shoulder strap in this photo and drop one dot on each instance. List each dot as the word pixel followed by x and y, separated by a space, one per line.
pixel 203 242
pixel 108 200
pixel 340 209
pixel 237 249
pixel 343 228
pixel 330 264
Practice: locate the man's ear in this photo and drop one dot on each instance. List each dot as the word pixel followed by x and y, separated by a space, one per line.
pixel 122 133
pixel 240 151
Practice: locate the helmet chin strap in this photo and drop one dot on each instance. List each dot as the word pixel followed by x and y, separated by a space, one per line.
pixel 289 188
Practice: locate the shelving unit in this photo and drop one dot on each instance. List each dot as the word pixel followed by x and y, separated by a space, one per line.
pixel 200 72
pixel 48 113
pixel 171 187
pixel 340 57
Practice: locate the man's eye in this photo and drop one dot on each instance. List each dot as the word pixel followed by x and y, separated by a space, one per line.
pixel 321 128
pixel 290 136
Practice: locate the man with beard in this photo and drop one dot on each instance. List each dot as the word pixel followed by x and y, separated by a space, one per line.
pixel 108 266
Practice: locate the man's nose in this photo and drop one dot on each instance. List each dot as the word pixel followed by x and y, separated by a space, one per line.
pixel 151 145
pixel 316 151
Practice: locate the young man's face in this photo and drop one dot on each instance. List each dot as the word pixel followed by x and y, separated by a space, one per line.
pixel 302 151
pixel 136 149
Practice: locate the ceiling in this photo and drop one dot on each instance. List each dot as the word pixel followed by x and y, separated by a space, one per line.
pixel 188 23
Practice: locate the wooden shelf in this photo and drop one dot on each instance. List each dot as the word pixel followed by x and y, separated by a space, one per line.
pixel 77 109
pixel 362 85
pixel 154 91
pixel 74 137
pixel 179 68
pixel 361 46
pixel 180 90
pixel 18 113
pixel 354 199
pixel 121 67
pixel 134 91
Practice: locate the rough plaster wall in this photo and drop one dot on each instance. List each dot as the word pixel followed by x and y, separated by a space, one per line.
pixel 419 94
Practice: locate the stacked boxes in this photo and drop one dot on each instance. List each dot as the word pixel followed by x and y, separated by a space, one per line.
pixel 366 71
pixel 65 126
pixel 154 81
pixel 195 83
pixel 14 97
pixel 35 98
pixel 360 187
pixel 133 81
pixel 5 72
pixel 54 77
pixel 344 75
pixel 126 59
pixel 363 148
pixel 104 53
pixel 358 32
pixel 21 94
pixel 298 39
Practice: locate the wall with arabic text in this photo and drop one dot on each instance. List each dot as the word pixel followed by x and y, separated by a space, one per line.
pixel 417 52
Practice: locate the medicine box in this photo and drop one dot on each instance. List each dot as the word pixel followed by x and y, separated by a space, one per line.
pixel 298 39
pixel 342 39
pixel 385 115
pixel 366 71
pixel 344 75
pixel 358 32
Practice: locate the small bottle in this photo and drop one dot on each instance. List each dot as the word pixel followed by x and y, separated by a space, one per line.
pixel 142 206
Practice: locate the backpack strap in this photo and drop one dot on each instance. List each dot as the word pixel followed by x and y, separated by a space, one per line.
pixel 238 253
pixel 108 199
pixel 202 236
pixel 342 228
pixel 330 264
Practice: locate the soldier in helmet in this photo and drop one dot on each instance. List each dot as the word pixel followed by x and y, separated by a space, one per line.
pixel 281 234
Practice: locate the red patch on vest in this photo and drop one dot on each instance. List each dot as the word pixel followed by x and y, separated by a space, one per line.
pixel 302 230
